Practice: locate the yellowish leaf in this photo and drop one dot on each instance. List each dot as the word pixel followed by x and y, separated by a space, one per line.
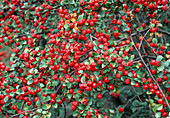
pixel 159 35
pixel 101 88
pixel 73 19
pixel 76 29
pixel 151 34
pixel 167 56
pixel 103 8
pixel 67 21
pixel 48 106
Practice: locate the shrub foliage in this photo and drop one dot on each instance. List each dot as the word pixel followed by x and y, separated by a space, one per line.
pixel 85 59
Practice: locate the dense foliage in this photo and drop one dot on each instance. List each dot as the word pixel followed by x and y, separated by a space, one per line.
pixel 85 58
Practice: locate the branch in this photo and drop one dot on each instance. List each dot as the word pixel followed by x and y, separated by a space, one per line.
pixel 129 101
pixel 24 112
pixel 22 105
pixel 143 38
pixel 133 34
pixel 145 56
pixel 148 44
pixel 166 101
pixel 163 31
pixel 136 93
pixel 92 39
pixel 58 88
pixel 64 110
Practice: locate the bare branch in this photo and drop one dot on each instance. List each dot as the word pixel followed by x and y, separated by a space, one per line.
pixel 143 38
pixel 24 112
pixel 163 31
pixel 136 93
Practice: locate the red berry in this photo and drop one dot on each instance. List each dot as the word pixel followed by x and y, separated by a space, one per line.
pixel 160 101
pixel 121 110
pixel 99 96
pixel 55 77
pixel 164 114
pixel 52 101
pixel 71 79
pixel 53 95
pixel 127 81
pixel 14 107
pixel 106 80
pixel 111 87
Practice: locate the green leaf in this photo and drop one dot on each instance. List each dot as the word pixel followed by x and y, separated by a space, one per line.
pixel 81 107
pixel 80 17
pixel 130 74
pixel 30 82
pixel 105 70
pixel 38 103
pixel 134 25
pixel 95 42
pixel 44 106
pixel 161 68
pixel 80 71
pixel 69 96
pixel 98 29
pixel 75 113
pixel 20 92
pixel 66 26
pixel 57 99
pixel 131 44
pixel 154 40
pixel 72 2
pixel 167 63
pixel 120 53
pixel 36 116
pixel 109 1
pixel 96 55
pixel 69 85
pixel 6 99
pixel 89 102
pixel 160 107
pixel 44 112
pixel 39 110
pixel 55 105
pixel 103 65
pixel 159 58
pixel 152 101
pixel 83 79
pixel 167 85
pixel 151 25
pixel 158 114
pixel 101 46
pixel 103 13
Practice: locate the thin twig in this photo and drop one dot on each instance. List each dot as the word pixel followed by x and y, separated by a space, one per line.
pixel 145 56
pixel 129 101
pixel 64 110
pixel 92 39
pixel 136 93
pixel 142 39
pixel 58 88
pixel 22 105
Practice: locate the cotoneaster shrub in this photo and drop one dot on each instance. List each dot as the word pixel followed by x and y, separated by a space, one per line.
pixel 85 59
